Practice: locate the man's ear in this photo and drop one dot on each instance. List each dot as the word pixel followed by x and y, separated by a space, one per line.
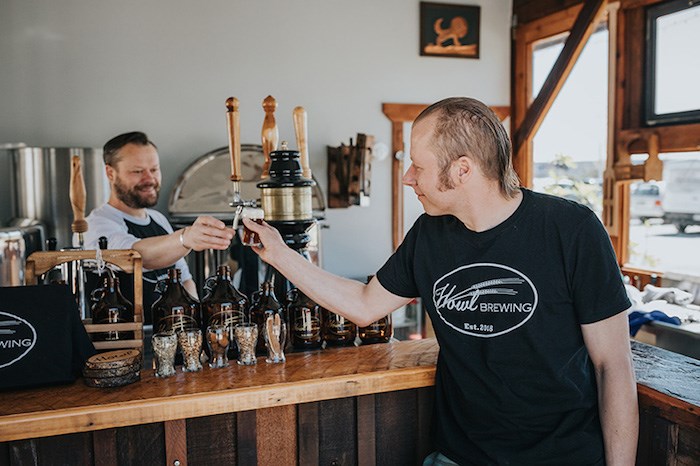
pixel 110 172
pixel 464 167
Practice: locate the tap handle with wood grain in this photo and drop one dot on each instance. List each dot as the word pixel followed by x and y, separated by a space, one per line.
pixel 270 133
pixel 233 120
pixel 77 196
pixel 301 132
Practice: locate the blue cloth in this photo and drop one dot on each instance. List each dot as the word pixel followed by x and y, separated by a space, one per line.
pixel 639 318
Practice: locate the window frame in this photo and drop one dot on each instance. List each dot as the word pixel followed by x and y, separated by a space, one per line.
pixel 628 132
pixel 652 118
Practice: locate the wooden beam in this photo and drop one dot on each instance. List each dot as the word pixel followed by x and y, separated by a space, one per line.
pixel 583 28
pixel 176 442
pixel 532 10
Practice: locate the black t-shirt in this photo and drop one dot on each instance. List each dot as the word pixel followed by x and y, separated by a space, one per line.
pixel 514 382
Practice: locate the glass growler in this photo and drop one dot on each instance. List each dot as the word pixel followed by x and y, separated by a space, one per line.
pixel 379 331
pixel 305 320
pixel 266 305
pixel 223 304
pixel 175 309
pixel 111 307
pixel 337 330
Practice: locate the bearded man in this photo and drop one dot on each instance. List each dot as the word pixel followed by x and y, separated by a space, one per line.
pixel 128 222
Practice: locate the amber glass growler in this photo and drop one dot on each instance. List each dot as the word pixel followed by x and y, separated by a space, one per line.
pixel 175 309
pixel 337 330
pixel 304 320
pixel 111 307
pixel 265 305
pixel 223 304
pixel 379 331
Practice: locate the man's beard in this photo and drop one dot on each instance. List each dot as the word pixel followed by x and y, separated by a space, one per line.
pixel 133 197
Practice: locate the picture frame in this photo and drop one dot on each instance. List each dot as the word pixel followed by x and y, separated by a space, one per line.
pixel 449 30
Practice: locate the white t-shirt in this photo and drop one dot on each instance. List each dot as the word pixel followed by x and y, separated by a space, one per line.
pixel 108 221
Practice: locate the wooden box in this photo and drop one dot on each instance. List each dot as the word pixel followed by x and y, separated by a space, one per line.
pixel 38 263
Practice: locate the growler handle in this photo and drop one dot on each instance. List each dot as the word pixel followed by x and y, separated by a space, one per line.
pixel 292 295
pixel 270 133
pixel 97 294
pixel 209 283
pixel 301 132
pixel 160 287
pixel 233 121
pixel 77 196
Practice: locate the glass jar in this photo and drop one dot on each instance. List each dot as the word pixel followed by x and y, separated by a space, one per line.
pixel 305 320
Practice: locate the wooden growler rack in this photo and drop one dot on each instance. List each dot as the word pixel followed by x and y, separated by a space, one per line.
pixel 38 263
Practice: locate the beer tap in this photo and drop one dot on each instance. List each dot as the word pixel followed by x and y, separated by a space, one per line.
pixel 77 199
pixel 299 116
pixel 270 133
pixel 234 147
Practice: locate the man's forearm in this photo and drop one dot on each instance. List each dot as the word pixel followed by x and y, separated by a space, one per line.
pixel 619 414
pixel 362 304
pixel 159 252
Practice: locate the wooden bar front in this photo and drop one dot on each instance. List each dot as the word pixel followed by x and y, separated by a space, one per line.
pixel 360 405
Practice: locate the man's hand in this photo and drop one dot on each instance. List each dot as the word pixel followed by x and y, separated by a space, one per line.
pixel 207 233
pixel 273 245
pixel 163 251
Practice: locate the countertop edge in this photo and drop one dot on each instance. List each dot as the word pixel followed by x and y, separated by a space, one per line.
pixel 98 417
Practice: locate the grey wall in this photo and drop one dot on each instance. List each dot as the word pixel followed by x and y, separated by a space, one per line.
pixel 77 72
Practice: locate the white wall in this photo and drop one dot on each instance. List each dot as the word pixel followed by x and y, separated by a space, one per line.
pixel 77 72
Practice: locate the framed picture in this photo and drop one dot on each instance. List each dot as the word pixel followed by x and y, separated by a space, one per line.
pixel 449 30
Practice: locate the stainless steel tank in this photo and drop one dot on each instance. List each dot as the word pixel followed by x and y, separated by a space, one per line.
pixel 39 187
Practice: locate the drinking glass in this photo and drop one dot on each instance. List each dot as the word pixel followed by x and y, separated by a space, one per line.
pixel 246 339
pixel 250 238
pixel 164 348
pixel 275 332
pixel 190 341
pixel 218 341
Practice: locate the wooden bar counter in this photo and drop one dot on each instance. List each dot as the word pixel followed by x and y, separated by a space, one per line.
pixel 358 405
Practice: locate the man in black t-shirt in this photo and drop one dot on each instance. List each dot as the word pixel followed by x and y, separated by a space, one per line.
pixel 525 296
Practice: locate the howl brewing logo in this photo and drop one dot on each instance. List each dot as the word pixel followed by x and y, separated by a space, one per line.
pixel 17 338
pixel 484 300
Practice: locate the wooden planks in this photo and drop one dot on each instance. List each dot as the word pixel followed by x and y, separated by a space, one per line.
pixel 277 435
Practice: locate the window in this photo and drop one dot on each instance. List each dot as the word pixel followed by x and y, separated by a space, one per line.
pixel 664 229
pixel 673 63
pixel 570 145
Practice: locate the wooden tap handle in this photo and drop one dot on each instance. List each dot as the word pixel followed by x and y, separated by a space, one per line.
pixel 301 132
pixel 270 133
pixel 77 196
pixel 233 120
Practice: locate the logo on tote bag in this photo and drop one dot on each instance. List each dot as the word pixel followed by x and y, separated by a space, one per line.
pixel 17 338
